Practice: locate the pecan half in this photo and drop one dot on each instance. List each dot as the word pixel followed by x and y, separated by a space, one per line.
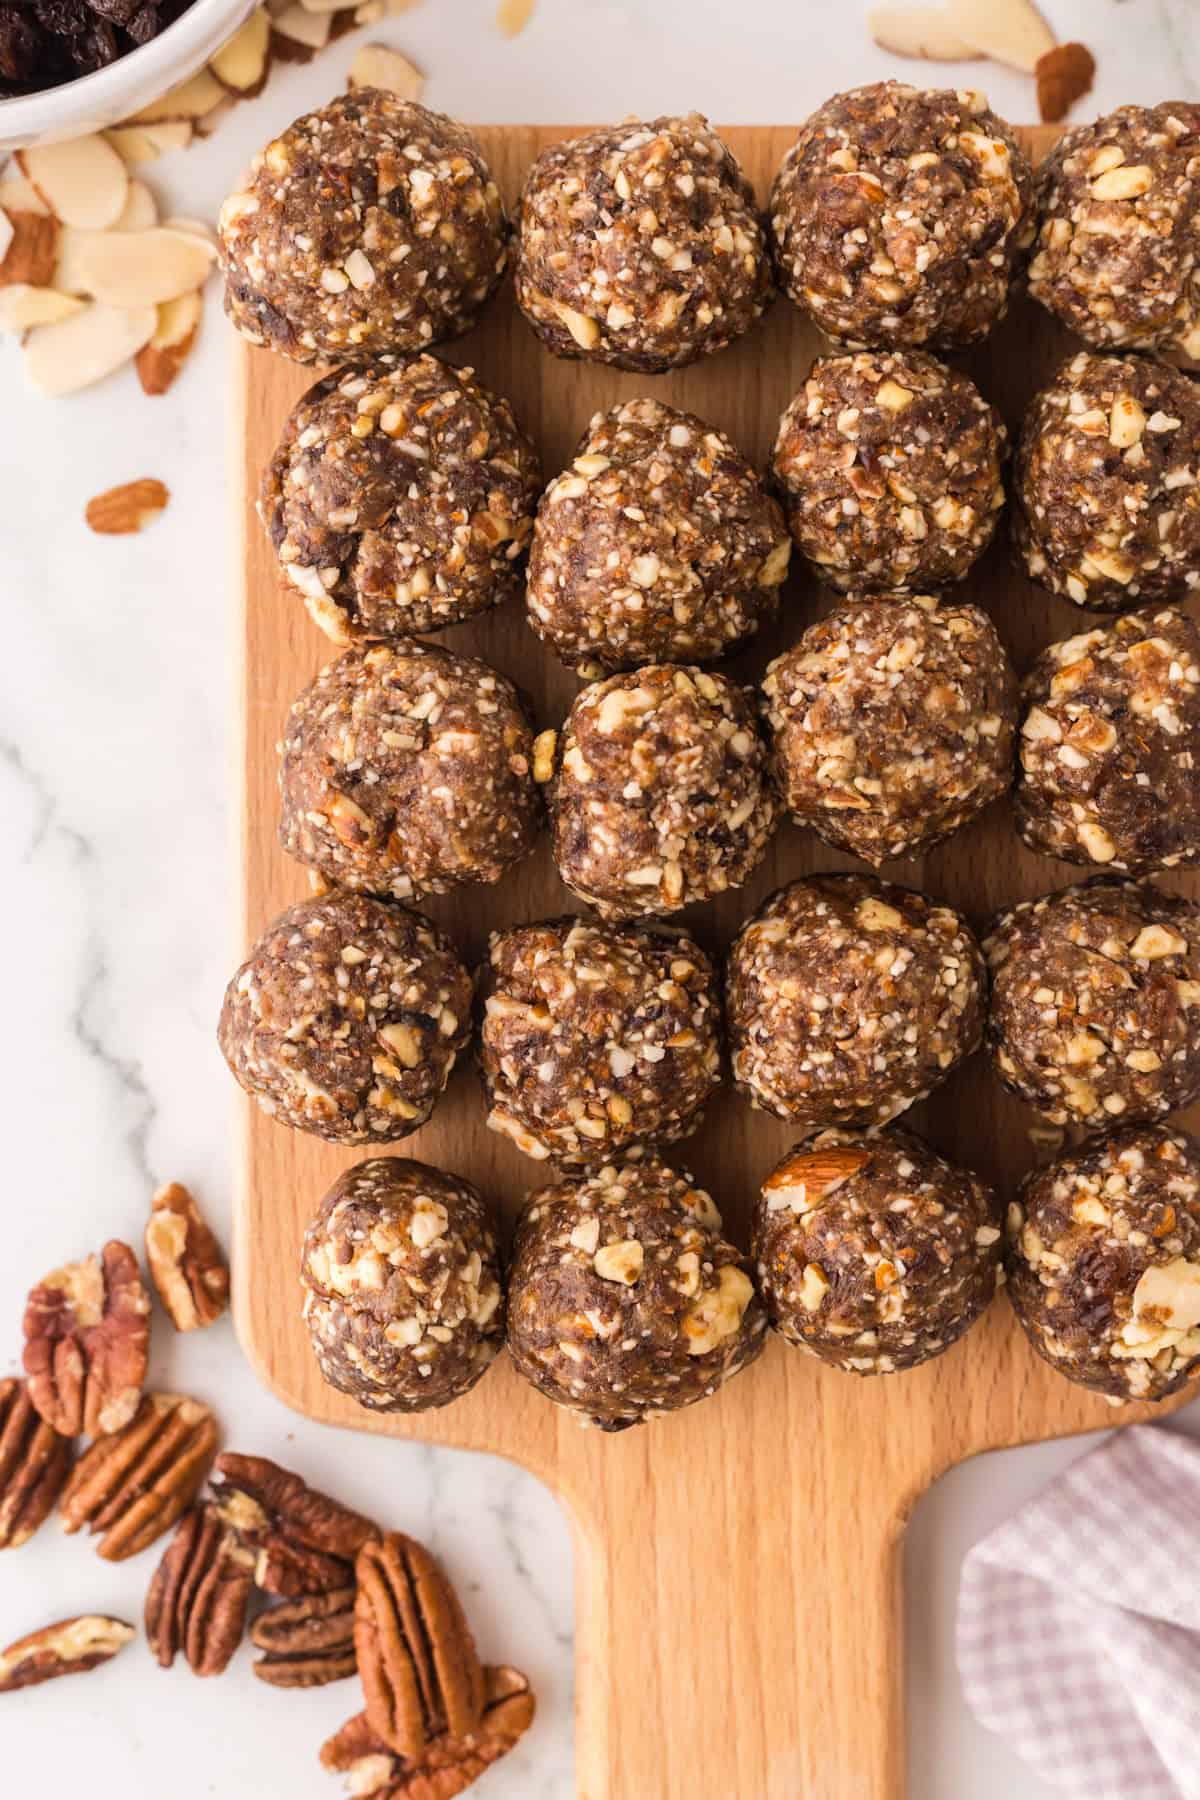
pixel 134 1485
pixel 306 1541
pixel 71 1647
pixel 185 1259
pixel 199 1594
pixel 420 1673
pixel 447 1766
pixel 34 1464
pixel 87 1336
pixel 307 1642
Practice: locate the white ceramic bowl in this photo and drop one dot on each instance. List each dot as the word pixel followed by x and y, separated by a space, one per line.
pixel 133 81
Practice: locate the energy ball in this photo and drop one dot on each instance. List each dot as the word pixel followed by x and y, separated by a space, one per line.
pixel 346 1018
pixel 873 1253
pixel 400 499
pixel 1095 1015
pixel 657 544
pixel 1115 255
pixel 1103 1260
pixel 371 225
pixel 401 1280
pixel 892 724
pixel 624 1301
pixel 889 464
pixel 661 796
pixel 597 1040
pixel 407 770
pixel 1110 746
pixel 1107 504
pixel 847 999
pixel 641 246
pixel 898 215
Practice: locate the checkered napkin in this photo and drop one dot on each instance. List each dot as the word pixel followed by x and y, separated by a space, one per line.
pixel 1078 1631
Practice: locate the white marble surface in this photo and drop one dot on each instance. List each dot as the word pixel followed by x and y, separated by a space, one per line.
pixel 116 797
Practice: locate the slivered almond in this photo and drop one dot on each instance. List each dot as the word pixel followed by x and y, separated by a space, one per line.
pixel 922 31
pixel 126 508
pixel 22 307
pixel 1012 32
pixel 241 65
pixel 193 99
pixel 76 352
pixel 143 268
pixel 139 212
pixel 159 361
pixel 299 26
pixel 30 254
pixel 377 66
pixel 512 16
pixel 136 144
pixel 197 227
pixel 82 181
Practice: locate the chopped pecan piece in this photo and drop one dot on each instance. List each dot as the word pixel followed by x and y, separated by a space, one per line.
pixel 307 1642
pixel 87 1336
pixel 185 1260
pixel 199 1594
pixel 34 1464
pixel 448 1765
pixel 306 1542
pixel 134 1485
pixel 71 1647
pixel 420 1673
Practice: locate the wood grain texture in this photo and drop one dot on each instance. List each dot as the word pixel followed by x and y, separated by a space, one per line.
pixel 738 1634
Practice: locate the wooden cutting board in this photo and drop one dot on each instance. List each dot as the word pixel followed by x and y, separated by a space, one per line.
pixel 738 1630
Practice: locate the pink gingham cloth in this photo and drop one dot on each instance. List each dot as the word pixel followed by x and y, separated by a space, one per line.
pixel 1078 1630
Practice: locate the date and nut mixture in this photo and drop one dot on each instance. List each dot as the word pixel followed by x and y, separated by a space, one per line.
pixel 874 1253
pixel 624 1301
pixel 372 225
pixel 657 543
pixel 1095 1012
pixel 407 770
pixel 1110 746
pixel 658 791
pixel 898 216
pixel 346 1019
pixel 847 999
pixel 595 1040
pixel 1107 509
pixel 400 499
pixel 1115 258
pixel 892 724
pixel 1103 1253
pixel 889 464
pixel 402 1291
pixel 641 246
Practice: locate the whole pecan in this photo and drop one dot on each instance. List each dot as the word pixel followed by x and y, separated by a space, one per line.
pixel 185 1259
pixel 134 1485
pixel 420 1673
pixel 87 1337
pixel 306 1542
pixel 447 1766
pixel 34 1464
pixel 199 1594
pixel 306 1642
pixel 71 1647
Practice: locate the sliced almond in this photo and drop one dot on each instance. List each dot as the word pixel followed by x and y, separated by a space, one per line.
pixel 241 65
pixel 1012 32
pixel 136 144
pixel 197 227
pixel 19 195
pixel 142 268
pixel 68 263
pixel 140 212
pixel 127 508
pixel 31 251
pixel 82 181
pixel 512 16
pixel 378 66
pixel 159 361
pixel 922 31
pixel 22 307
pixel 312 30
pixel 75 352
pixel 192 100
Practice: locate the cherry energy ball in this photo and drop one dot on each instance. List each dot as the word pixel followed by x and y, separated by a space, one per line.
pixel 893 724
pixel 641 245
pixel 661 796
pixel 1110 746
pixel 1103 1260
pixel 400 499
pixel 346 1019
pixel 1107 503
pixel 401 1280
pixel 658 543
pixel 1095 1015
pixel 847 999
pixel 1116 249
pixel 624 1301
pixel 889 464
pixel 898 214
pixel 407 770
pixel 371 225
pixel 874 1253
pixel 597 1040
